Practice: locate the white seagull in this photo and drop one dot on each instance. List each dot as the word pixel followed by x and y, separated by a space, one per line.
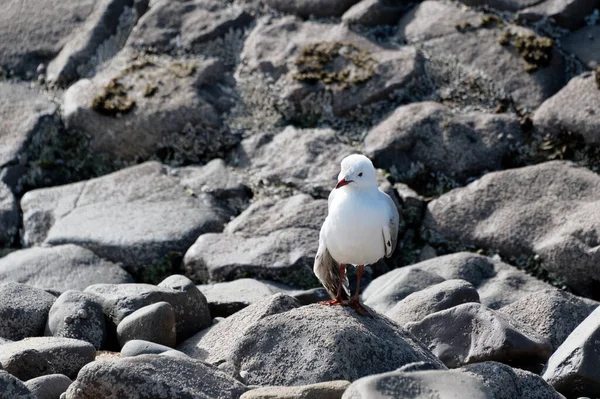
pixel 361 227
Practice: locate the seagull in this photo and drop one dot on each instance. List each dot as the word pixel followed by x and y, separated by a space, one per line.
pixel 361 227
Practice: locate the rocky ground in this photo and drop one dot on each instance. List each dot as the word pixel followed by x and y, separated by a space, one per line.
pixel 164 170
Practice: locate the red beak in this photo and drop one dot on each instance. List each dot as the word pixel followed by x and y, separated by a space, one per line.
pixel 343 182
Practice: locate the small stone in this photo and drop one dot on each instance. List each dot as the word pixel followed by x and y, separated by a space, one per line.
pixel 153 323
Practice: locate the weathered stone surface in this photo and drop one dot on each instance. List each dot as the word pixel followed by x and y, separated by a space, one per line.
pixel 52 356
pixel 323 390
pixel 508 5
pixel 566 13
pixel 436 384
pixel 573 368
pixel 573 109
pixel 553 314
pixel 432 299
pixel 11 387
pixel 60 268
pixel 373 13
pixel 154 323
pixel 182 24
pixel 458 145
pixel 49 386
pixel 23 310
pixel 317 8
pixel 136 216
pixel 9 215
pixel 136 347
pixel 585 44
pixel 153 376
pixel 547 209
pixel 471 333
pixel 191 309
pixel 140 106
pixel 77 315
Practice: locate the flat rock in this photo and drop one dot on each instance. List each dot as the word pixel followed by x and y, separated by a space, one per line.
pixel 23 310
pixel 457 145
pixel 323 390
pixel 553 314
pixel 77 315
pixel 573 368
pixel 154 323
pixel 136 378
pixel 136 216
pixel 471 333
pixel 60 268
pixel 139 106
pixel 52 356
pixel 373 13
pixel 572 109
pixel 136 347
pixel 11 387
pixel 438 384
pixel 432 299
pixel 182 24
pixel 49 386
pixel 569 14
pixel 191 310
pixel 317 8
pixel 547 210
pixel 9 216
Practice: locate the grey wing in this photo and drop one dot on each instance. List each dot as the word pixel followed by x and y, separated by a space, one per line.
pixel 390 230
pixel 327 271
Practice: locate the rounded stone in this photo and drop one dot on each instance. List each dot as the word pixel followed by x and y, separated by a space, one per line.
pixel 154 323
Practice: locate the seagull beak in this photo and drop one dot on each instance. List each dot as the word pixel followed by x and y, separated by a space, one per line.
pixel 343 182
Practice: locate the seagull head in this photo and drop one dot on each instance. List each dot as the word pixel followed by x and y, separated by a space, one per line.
pixel 357 172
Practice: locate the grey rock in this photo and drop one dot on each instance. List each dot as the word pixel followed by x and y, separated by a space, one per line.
pixel 566 13
pixel 11 388
pixel 182 24
pixel 136 378
pixel 136 347
pixel 154 323
pixel 458 145
pixel 572 109
pixel 23 310
pixel 314 295
pixel 573 368
pixel 504 5
pixel 432 299
pixel 436 384
pixel 323 390
pixel 373 13
pixel 517 212
pixel 506 382
pixel 584 43
pixel 55 355
pixel 215 344
pixel 60 268
pixel 553 314
pixel 78 315
pixel 9 215
pixel 470 333
pixel 317 8
pixel 49 386
pixel 191 310
pixel 136 216
pixel 139 106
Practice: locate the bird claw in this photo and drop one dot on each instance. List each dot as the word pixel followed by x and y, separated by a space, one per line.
pixel 332 302
pixel 360 309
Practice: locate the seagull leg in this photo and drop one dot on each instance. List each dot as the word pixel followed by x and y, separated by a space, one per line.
pixel 355 301
pixel 338 299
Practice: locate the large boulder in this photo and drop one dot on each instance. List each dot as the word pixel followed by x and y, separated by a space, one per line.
pixel 323 390
pixel 547 210
pixel 566 13
pixel 23 310
pixel 49 386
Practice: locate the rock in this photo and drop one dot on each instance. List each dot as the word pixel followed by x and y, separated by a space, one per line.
pixel 457 145
pixel 60 268
pixel 584 43
pixel 294 55
pixel 136 378
pixel 78 315
pixel 49 386
pixel 317 8
pixel 272 239
pixel 517 212
pixel 23 310
pixel 9 216
pixel 154 323
pixel 471 333
pixel 139 106
pixel 323 390
pixel 191 309
pixel 553 314
pixel 11 388
pixel 432 299
pixel 504 5
pixel 439 384
pixel 215 344
pixel 308 297
pixel 373 13
pixel 569 14
pixel 577 103
pixel 136 347
pixel 138 216
pixel 34 357
pixel 573 368
pixel 182 24
pixel 506 382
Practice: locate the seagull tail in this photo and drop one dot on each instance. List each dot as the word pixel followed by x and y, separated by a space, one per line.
pixel 327 271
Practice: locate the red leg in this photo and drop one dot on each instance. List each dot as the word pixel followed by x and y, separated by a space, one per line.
pixel 355 302
pixel 338 299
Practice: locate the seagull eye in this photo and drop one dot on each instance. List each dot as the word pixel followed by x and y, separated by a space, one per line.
pixel 360 174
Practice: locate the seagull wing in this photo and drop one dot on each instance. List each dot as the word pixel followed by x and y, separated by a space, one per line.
pixel 390 230
pixel 327 270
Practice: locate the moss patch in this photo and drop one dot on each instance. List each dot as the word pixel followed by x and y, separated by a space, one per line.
pixel 491 20
pixel 339 63
pixel 534 50
pixel 113 100
pixel 150 90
